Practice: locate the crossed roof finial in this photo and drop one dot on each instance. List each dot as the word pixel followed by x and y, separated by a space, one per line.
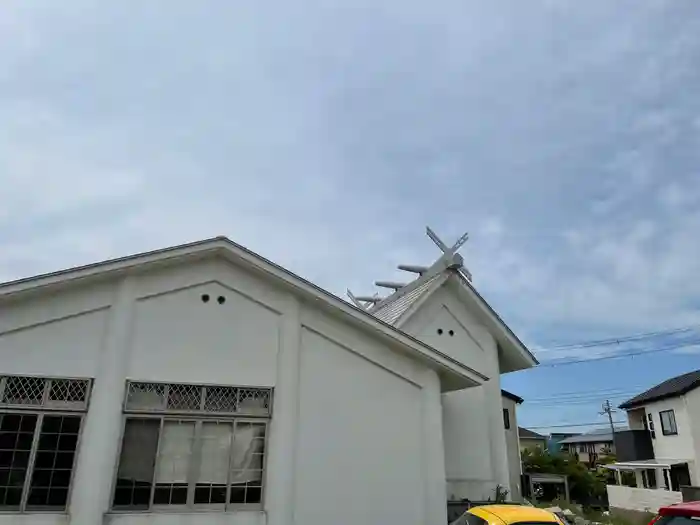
pixel 450 259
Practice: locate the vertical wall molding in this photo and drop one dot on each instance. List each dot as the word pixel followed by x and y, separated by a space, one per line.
pixel 281 462
pixel 435 482
pixel 92 484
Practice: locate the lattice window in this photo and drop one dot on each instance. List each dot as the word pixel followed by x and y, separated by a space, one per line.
pixel 176 397
pixel 40 420
pixel 184 397
pixel 44 392
pixel 68 392
pixel 253 400
pixel 24 390
pixel 200 459
pixel 221 399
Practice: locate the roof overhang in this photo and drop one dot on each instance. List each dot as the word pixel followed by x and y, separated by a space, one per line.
pixel 453 374
pixel 593 439
pixel 634 405
pixel 513 354
pixel 646 464
pixel 511 396
pixel 538 477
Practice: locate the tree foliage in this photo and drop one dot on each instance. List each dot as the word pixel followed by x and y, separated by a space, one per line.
pixel 584 484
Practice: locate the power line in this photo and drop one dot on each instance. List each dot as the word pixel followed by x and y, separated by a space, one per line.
pixel 585 395
pixel 618 340
pixel 578 403
pixel 583 400
pixel 587 392
pixel 564 362
pixel 591 390
pixel 596 424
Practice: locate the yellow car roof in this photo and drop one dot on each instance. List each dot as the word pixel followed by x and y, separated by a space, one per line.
pixel 509 514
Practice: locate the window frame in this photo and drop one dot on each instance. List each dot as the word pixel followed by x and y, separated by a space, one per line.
pixel 664 430
pixel 45 407
pixel 51 408
pixel 198 418
pixel 32 461
pixel 506 419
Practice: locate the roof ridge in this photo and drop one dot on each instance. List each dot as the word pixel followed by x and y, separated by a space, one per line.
pixel 671 387
pixel 218 245
pixel 398 294
pixel 438 267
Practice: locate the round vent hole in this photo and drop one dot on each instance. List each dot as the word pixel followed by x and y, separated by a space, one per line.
pixel 439 331
pixel 205 298
pixel 221 299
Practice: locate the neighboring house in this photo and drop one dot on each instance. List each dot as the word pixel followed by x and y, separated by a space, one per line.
pixel 589 447
pixel 204 378
pixel 555 439
pixel 510 423
pixel 531 440
pixel 661 447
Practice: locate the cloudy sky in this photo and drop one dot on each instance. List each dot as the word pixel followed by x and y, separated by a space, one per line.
pixel 564 136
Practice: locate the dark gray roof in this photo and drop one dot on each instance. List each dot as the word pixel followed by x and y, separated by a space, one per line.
pixel 676 386
pixel 524 433
pixel 511 396
pixel 563 435
pixel 594 436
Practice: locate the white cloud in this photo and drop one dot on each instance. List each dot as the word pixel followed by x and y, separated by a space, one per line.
pixel 564 139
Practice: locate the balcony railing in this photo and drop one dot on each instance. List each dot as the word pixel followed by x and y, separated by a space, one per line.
pixel 633 445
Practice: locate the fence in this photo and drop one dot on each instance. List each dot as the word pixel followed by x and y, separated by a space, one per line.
pixel 639 499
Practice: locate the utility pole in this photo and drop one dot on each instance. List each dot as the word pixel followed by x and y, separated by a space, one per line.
pixel 607 409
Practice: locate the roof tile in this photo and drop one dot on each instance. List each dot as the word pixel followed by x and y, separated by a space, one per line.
pixel 676 386
pixel 524 433
pixel 391 312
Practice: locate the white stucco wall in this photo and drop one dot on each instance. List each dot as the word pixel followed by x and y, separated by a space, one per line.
pixel 353 435
pixel 644 500
pixel 513 448
pixel 193 518
pixel 61 334
pixel 679 446
pixel 359 439
pixel 475 444
pixel 692 404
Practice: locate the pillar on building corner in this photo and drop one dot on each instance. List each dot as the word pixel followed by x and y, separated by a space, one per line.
pixel 281 460
pixel 499 447
pixel 434 450
pixel 97 459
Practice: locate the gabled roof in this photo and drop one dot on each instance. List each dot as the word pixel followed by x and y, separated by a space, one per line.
pixel 392 310
pixel 524 433
pixel 455 375
pixel 595 436
pixel 563 435
pixel 398 307
pixel 511 396
pixel 676 386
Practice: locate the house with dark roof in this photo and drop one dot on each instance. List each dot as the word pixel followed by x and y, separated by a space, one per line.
pixel 531 440
pixel 662 446
pixel 589 447
pixel 555 439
